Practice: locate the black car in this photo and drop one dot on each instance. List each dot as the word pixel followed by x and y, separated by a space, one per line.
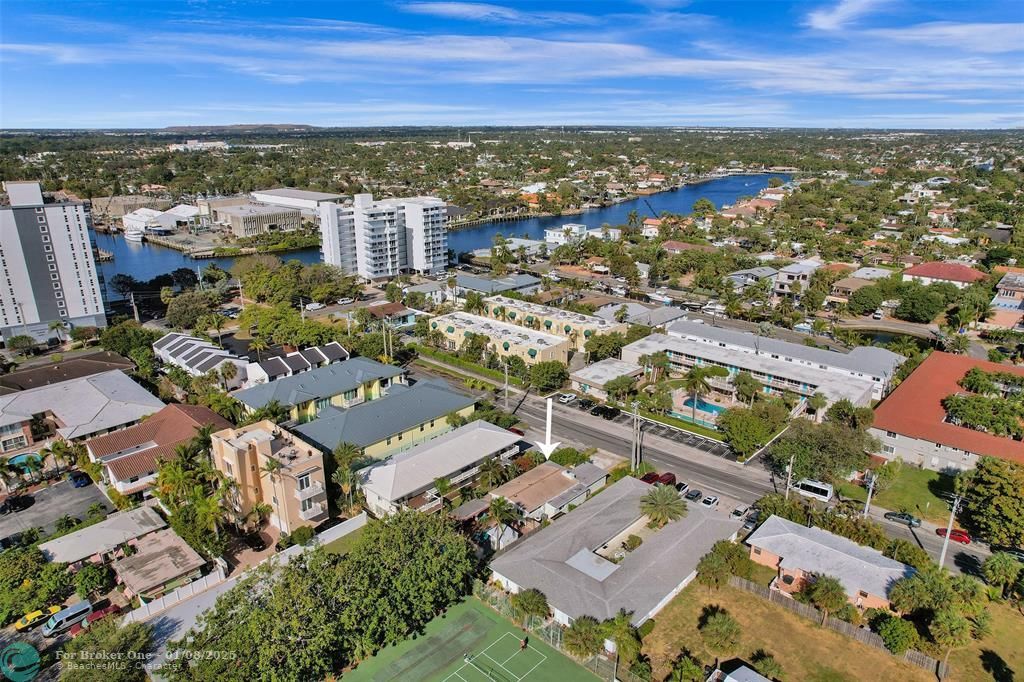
pixel 254 541
pixel 1015 552
pixel 17 503
pixel 585 404
pixel 904 518
pixel 611 413
pixel 598 410
pixel 694 495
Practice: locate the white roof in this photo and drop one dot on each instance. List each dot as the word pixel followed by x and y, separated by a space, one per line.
pixel 814 550
pixel 183 211
pixel 414 470
pixel 145 213
pixel 292 193
pixel 600 373
pixel 84 406
pixel 104 536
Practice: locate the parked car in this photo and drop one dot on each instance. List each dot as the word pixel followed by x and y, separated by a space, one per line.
pixel 585 404
pixel 877 315
pixel 738 513
pixel 566 398
pixel 955 535
pixel 79 479
pixel 711 501
pixel 17 503
pixel 33 618
pixel 904 518
pixel 518 432
pixel 693 495
pixel 667 478
pixel 315 305
pixel 598 410
pixel 751 520
pixel 346 300
pixel 650 478
pixel 611 413
pixel 78 628
pixel 682 487
pixel 1015 552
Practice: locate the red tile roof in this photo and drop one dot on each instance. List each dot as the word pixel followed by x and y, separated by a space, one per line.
pixel 915 409
pixel 159 435
pixel 952 272
pixel 676 246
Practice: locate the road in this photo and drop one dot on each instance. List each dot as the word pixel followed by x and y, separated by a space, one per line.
pixel 702 464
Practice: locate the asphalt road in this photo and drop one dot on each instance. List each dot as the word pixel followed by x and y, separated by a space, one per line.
pixel 51 504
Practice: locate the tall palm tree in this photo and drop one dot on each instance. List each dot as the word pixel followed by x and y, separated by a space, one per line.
pixel 261 512
pixel 345 454
pixel 696 384
pixel 828 594
pixel 173 481
pixel 258 344
pixel 503 512
pixel 620 630
pixel 209 512
pixel 529 603
pixel 272 468
pixel 662 504
pixel 58 450
pixel 817 402
pixel 492 472
pixel 474 302
pixel 61 327
pixel 33 465
pixel 228 371
pixel 345 479
pixel 443 486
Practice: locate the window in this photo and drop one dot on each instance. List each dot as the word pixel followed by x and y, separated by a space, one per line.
pixel 306 504
pixel 227 468
pixel 757 550
pixel 888 449
pixel 890 434
pixel 351 395
pixel 862 593
pixel 322 403
pixel 303 482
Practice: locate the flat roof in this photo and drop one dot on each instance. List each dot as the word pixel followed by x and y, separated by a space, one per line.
pixel 869 360
pixel 102 537
pixel 558 559
pixel 495 284
pixel 161 557
pixel 815 550
pixel 517 305
pixel 600 373
pixel 292 193
pixel 915 408
pixel 416 469
pixel 498 331
pixel 548 482
pixel 250 209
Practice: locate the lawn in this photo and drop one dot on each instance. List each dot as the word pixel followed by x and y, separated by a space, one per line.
pixel 805 651
pixel 344 544
pixel 492 644
pixel 998 657
pixel 684 425
pixel 913 491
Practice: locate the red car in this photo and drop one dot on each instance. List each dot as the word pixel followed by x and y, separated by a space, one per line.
pixel 650 478
pixel 518 432
pixel 78 628
pixel 667 478
pixel 955 535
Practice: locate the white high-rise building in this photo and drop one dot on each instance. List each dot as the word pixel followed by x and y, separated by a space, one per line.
pixel 48 267
pixel 385 238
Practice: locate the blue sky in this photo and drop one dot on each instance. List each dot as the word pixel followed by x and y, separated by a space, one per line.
pixel 836 63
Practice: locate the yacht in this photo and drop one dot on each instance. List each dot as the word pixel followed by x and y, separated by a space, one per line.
pixel 134 235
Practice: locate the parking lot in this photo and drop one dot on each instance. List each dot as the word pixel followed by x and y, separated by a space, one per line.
pixel 692 440
pixel 50 504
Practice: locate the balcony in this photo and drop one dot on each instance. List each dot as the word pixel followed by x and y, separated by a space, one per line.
pixel 312 490
pixel 313 512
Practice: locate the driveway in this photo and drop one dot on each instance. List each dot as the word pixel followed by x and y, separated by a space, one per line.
pixel 51 504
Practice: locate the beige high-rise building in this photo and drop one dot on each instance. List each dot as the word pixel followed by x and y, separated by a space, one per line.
pixel 273 467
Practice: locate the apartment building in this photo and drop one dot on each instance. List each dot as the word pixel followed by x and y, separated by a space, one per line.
pixel 380 239
pixel 250 220
pixel 342 384
pixel 294 363
pixel 795 278
pixel 48 271
pixel 198 357
pixel 503 338
pixel 578 328
pixel 273 467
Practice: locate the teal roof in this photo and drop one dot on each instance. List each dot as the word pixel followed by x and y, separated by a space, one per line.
pixel 323 382
pixel 403 408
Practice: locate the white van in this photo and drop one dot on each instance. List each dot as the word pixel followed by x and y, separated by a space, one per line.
pixel 815 489
pixel 62 620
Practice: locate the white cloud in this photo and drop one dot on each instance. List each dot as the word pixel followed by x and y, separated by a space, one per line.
pixel 497 14
pixel 986 38
pixel 841 14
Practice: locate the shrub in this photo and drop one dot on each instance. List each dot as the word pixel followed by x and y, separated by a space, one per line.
pixel 851 614
pixel 898 634
pixel 647 628
pixel 632 542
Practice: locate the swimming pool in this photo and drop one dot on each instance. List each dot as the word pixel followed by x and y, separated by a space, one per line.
pixel 20 461
pixel 705 406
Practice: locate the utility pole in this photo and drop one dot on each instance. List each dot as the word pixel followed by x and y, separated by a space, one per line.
pixel 871 489
pixel 636 454
pixel 789 474
pixel 953 509
pixel 506 384
pixel 135 308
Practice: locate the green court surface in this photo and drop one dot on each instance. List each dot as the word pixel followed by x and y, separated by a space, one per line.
pixel 471 643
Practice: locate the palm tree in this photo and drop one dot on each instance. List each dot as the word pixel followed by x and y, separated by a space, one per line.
pixel 96 509
pixel 721 633
pixel 443 486
pixel 217 323
pixel 209 512
pixel 258 344
pixel 8 473
pixel 662 504
pixel 345 479
pixel 60 327
pixel 620 630
pixel 345 454
pixel 584 638
pixel 173 481
pixel 696 384
pixel 529 602
pixel 474 302
pixel 272 468
pixel 827 594
pixel 491 472
pixel 228 371
pixel 33 465
pixel 817 402
pixel 261 512
pixel 58 449
pixel 950 630
pixel 503 512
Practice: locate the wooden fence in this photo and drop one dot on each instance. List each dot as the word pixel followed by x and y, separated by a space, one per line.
pixel 863 635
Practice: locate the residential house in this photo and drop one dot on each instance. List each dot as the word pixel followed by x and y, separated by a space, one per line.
pixel 843 288
pixel 912 424
pixel 1008 302
pixel 741 279
pixel 801 553
pixel 407 479
pixel 592 379
pixel 342 384
pixel 434 292
pixel 294 363
pixel 405 416
pixel 795 278
pixel 162 562
pixel 570 233
pixel 956 274
pixel 395 314
pixel 274 468
pixel 577 327
pixel 198 357
pixel 130 456
pixel 673 247
pixel 580 564
pixel 64 370
pixel 74 410
pixel 503 338
pixel 105 541
pixel 549 490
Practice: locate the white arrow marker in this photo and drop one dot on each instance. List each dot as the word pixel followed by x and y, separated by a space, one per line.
pixel 547 447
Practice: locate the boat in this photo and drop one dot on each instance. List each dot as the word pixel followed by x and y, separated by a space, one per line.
pixel 659 296
pixel 134 235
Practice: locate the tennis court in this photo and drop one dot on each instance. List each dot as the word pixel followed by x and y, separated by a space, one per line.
pixel 471 643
